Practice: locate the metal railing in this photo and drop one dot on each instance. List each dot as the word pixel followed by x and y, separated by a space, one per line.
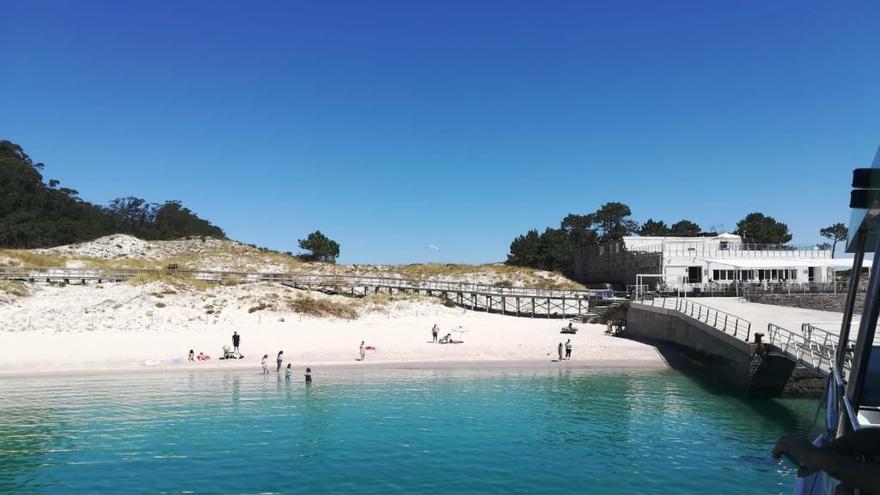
pixel 744 289
pixel 837 398
pixel 297 279
pixel 728 323
pixel 812 346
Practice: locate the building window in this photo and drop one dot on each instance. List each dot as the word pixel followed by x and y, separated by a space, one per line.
pixel 722 245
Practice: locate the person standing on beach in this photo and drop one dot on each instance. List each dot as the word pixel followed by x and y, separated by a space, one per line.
pixel 265 363
pixel 559 349
pixel 308 376
pixel 363 350
pixel 279 360
pixel 434 332
pixel 568 349
pixel 236 339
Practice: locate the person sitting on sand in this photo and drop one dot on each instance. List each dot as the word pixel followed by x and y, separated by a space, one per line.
pixel 446 338
pixel 192 356
pixel 289 372
pixel 227 353
pixel 363 350
pixel 434 332
pixel 265 363
pixel 203 357
pixel 308 376
pixel 279 360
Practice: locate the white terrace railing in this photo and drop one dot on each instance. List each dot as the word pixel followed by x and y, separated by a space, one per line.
pixel 716 249
pixel 732 325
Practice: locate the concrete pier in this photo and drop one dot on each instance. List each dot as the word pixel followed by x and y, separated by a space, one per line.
pixel 735 359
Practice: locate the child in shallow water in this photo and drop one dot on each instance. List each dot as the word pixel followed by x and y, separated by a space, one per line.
pixel 265 363
pixel 308 376
pixel 288 373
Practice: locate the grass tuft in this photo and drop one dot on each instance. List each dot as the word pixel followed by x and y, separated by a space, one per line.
pixel 259 307
pixel 308 305
pixel 16 289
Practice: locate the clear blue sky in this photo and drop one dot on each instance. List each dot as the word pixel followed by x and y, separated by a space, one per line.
pixel 392 126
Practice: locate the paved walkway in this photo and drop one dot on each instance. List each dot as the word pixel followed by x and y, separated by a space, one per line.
pixel 762 314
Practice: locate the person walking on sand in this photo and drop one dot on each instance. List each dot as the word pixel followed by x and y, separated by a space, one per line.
pixel 568 349
pixel 559 350
pixel 279 360
pixel 434 332
pixel 236 339
pixel 363 350
pixel 265 363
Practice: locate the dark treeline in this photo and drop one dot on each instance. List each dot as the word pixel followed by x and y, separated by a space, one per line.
pixel 554 249
pixel 34 213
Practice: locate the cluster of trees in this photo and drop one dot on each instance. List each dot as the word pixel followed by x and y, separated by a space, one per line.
pixel 554 249
pixel 35 214
pixel 319 247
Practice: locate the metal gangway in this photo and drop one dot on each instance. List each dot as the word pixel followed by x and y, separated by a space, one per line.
pixel 813 346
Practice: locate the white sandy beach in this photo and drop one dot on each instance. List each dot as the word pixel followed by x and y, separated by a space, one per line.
pixel 48 328
pixel 120 326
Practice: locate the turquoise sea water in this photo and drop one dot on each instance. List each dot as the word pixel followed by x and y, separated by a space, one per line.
pixel 374 431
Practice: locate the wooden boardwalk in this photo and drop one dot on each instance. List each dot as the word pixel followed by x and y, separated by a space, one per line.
pixel 515 301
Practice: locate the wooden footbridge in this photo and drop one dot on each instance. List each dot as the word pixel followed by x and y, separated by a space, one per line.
pixel 514 301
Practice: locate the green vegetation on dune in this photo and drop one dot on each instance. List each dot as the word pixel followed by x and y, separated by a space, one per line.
pixel 311 306
pixel 12 288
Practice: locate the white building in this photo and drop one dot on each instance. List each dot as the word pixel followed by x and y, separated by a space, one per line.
pixel 721 259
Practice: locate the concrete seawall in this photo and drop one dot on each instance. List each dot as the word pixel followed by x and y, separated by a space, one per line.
pixel 721 355
pixel 727 357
